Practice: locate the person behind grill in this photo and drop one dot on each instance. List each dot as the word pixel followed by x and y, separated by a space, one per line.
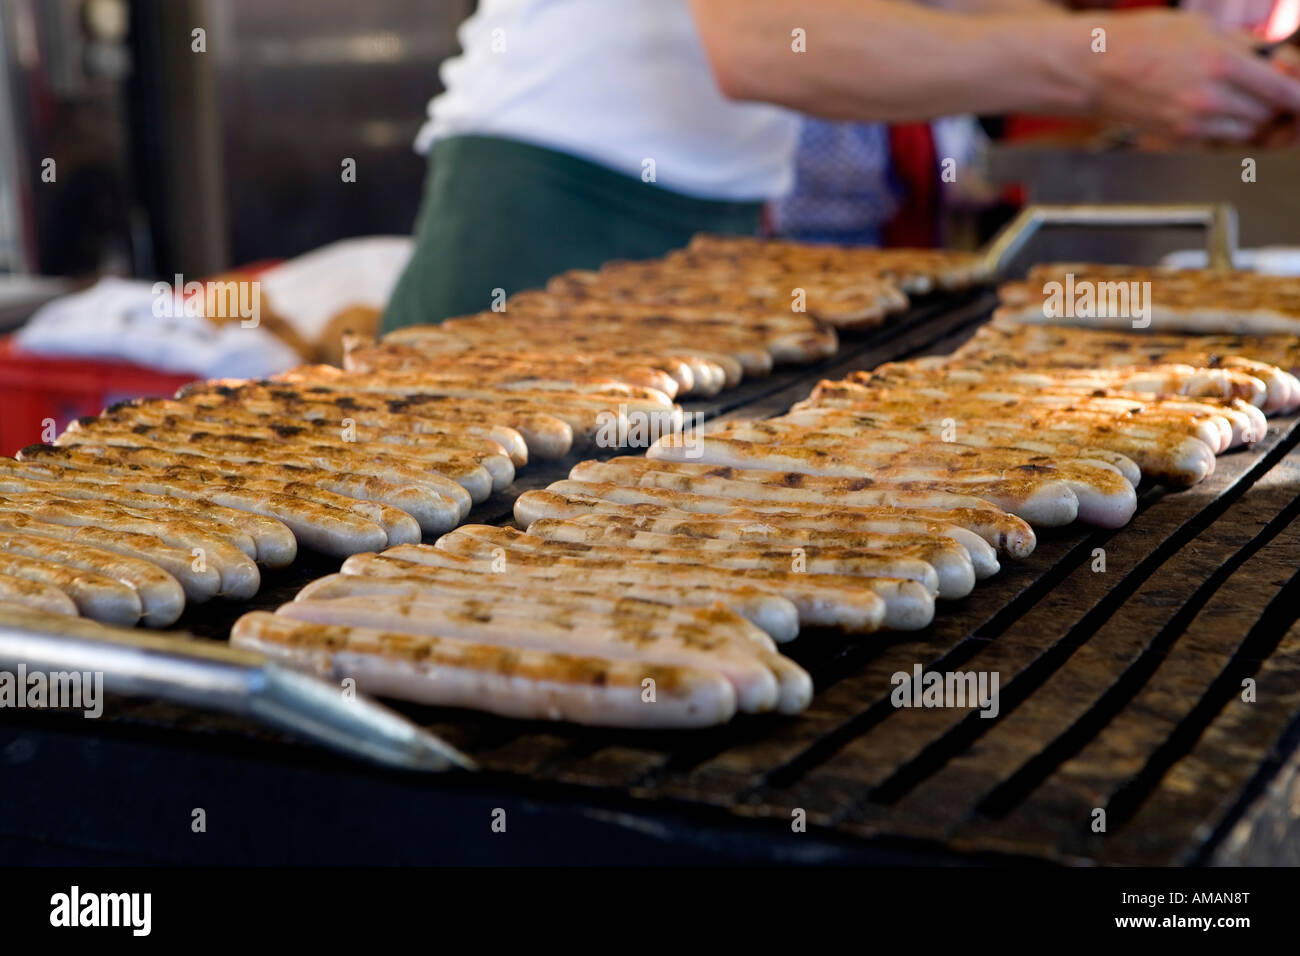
pixel 572 132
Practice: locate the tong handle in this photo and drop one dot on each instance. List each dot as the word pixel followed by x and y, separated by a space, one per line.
pixel 137 663
pixel 217 676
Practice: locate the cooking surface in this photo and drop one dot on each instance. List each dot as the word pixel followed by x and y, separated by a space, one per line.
pixel 1120 690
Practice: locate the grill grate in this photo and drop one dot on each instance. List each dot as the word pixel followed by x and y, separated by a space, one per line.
pixel 1120 690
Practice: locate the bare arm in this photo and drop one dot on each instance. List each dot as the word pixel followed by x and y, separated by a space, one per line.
pixel 892 61
pixel 885 60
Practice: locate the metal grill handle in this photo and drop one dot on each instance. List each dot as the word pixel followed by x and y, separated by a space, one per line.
pixel 1218 219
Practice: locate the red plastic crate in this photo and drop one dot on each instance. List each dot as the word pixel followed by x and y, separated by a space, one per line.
pixel 34 388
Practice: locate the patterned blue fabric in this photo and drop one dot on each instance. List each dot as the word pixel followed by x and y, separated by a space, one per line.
pixel 844 188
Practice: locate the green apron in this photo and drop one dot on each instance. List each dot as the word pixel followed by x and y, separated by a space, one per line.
pixel 503 215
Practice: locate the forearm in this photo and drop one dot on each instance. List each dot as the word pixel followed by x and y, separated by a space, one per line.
pixel 895 61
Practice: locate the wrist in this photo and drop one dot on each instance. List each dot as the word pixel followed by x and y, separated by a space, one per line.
pixel 1060 61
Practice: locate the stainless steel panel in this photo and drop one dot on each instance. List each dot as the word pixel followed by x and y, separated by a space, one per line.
pixel 300 85
pixel 15 254
pixel 1268 209
pixel 61 99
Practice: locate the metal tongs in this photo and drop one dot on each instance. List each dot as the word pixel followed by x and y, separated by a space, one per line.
pixel 1219 220
pixel 216 676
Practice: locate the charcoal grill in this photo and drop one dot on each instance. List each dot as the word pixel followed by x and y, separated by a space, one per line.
pixel 1121 691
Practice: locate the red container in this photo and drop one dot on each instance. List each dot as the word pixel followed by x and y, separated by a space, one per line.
pixel 37 388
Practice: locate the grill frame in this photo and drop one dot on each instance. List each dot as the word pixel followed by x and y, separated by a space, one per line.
pixel 1092 666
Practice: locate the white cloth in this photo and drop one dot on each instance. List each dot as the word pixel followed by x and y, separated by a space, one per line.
pixel 614 81
pixel 117 319
pixel 1269 260
pixel 313 288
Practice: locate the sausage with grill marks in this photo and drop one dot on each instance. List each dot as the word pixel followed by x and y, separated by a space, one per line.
pixel 795 686
pixel 983 533
pixel 395 427
pixel 106 586
pixel 565 628
pixel 769 612
pixel 547 436
pixel 35 594
pixel 230 444
pixel 1174 459
pixel 822 600
pixel 1040 491
pixel 240 485
pixel 339 530
pixel 199 584
pixel 837 529
pixel 906 585
pixel 1049 504
pixel 194 417
pixel 951 562
pixel 237 574
pixel 273 543
pixel 314 466
pixel 529 684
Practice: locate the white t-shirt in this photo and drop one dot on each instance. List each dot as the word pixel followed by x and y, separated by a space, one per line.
pixel 619 82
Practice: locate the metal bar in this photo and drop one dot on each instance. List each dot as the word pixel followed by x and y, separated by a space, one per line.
pixel 1218 219
pixel 15 253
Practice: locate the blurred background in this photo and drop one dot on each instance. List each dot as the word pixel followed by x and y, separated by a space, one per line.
pixel 132 147
pixel 170 160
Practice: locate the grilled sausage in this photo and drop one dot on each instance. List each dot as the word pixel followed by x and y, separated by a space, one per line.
pixel 547 436
pixel 323 527
pixel 950 561
pixel 395 427
pixel 908 593
pixel 1168 458
pixel 560 628
pixel 766 485
pixel 1049 505
pixel 841 529
pixel 876 435
pixel 273 543
pixel 1040 493
pixel 228 445
pixel 528 684
pixel 105 586
pixel 312 509
pixel 565 499
pixel 200 583
pixel 769 612
pixel 821 600
pixel 35 594
pixel 981 532
pixel 437 451
pixel 238 577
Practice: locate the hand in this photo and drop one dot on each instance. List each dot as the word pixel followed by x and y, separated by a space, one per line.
pixel 1176 74
pixel 1287 60
pixel 1284 131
